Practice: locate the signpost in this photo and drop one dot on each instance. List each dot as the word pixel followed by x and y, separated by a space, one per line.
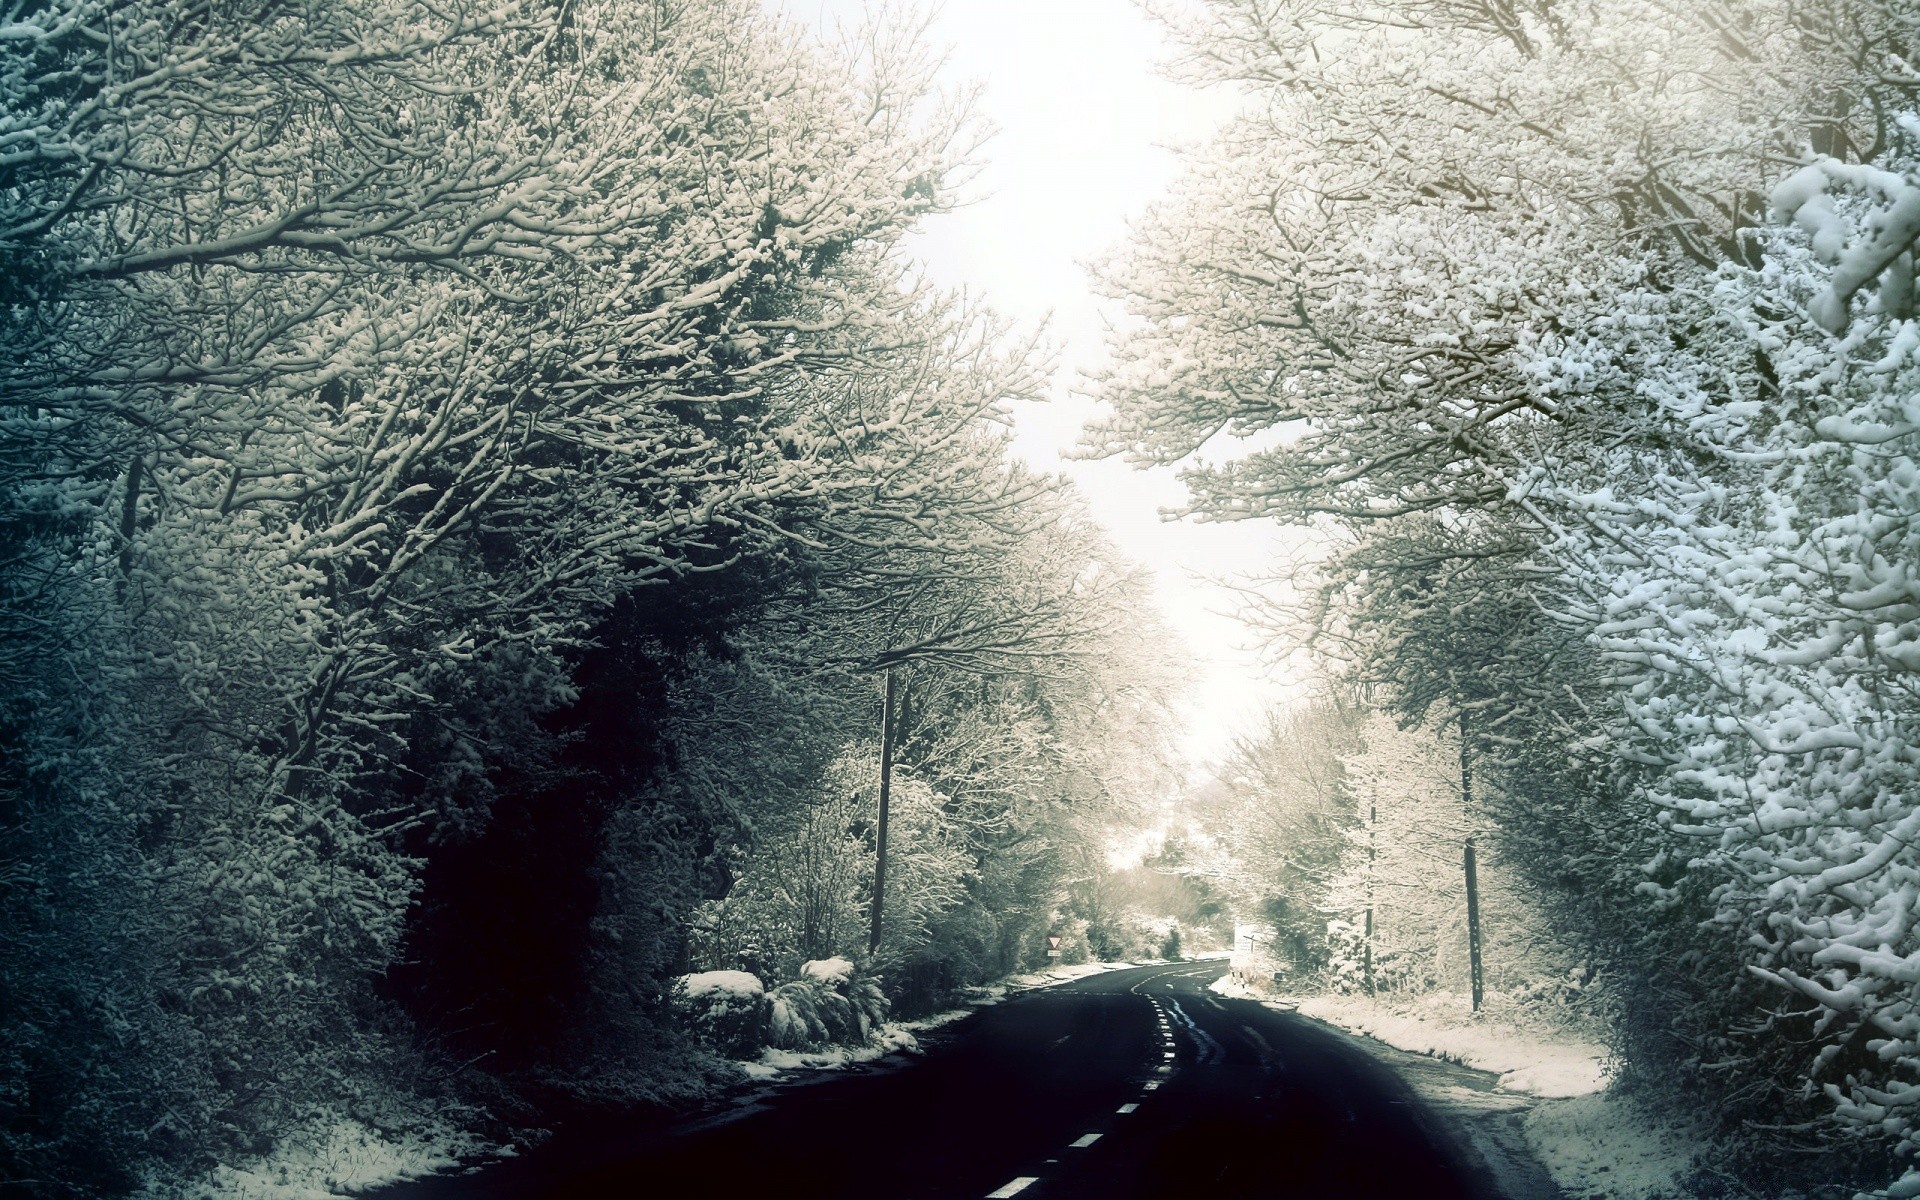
pixel 1053 947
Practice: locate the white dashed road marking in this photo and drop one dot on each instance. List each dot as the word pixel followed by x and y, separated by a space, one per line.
pixel 1014 1188
pixel 1085 1140
pixel 1126 1108
pixel 1208 1050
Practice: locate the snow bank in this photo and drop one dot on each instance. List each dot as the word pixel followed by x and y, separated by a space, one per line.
pixel 1596 1144
pixel 889 1037
pixel 774 1062
pixel 1526 1061
pixel 1604 1147
pixel 1067 974
pixel 1232 987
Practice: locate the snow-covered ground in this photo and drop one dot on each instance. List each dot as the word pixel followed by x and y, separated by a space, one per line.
pixel 1527 1060
pixel 1605 1146
pixel 334 1157
pixel 1596 1143
pixel 890 1039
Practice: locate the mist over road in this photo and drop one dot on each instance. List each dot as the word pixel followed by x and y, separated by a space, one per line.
pixel 1133 1084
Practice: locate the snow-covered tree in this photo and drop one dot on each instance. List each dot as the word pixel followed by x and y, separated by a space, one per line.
pixel 362 359
pixel 1755 597
pixel 1501 298
pixel 1277 829
pixel 1402 866
pixel 1025 703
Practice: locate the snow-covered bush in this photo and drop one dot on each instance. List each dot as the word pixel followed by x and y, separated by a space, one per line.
pixel 725 1010
pixel 1767 631
pixel 832 1003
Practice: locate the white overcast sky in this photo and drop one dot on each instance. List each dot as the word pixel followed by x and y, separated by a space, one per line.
pixel 1086 138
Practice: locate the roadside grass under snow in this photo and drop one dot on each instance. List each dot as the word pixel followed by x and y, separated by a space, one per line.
pixel 333 1157
pixel 774 1063
pixel 1597 1143
pixel 1606 1146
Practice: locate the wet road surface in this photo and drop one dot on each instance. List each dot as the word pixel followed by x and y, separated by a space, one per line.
pixel 1137 1084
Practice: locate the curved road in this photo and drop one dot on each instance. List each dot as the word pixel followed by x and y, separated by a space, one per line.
pixel 1130 1085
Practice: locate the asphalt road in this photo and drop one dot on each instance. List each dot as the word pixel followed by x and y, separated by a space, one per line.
pixel 1130 1085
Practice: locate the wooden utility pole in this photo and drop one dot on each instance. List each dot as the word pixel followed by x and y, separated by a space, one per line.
pixel 1473 878
pixel 1373 837
pixel 880 831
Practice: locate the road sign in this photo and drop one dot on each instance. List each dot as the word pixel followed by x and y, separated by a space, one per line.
pixel 1053 943
pixel 1053 954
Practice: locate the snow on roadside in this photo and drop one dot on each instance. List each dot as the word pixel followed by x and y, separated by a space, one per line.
pixel 1604 1147
pixel 1544 1065
pixel 1552 1065
pixel 333 1158
pixel 899 1036
pixel 888 1039
pixel 1230 986
pixel 338 1158
pixel 1069 973
pixel 1596 1143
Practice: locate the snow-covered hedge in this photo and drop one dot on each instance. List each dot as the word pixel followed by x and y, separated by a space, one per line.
pixel 725 1010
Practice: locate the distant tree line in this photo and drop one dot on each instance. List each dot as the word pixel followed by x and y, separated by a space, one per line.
pixel 1582 335
pixel 464 470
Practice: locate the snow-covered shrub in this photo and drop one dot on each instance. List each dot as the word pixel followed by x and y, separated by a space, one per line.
pixel 831 1003
pixel 805 1013
pixel 725 1010
pixel 1757 593
pixel 1391 968
pixel 861 989
pixel 835 972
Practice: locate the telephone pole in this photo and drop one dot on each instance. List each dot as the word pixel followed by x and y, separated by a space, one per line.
pixel 880 831
pixel 1373 837
pixel 1473 877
